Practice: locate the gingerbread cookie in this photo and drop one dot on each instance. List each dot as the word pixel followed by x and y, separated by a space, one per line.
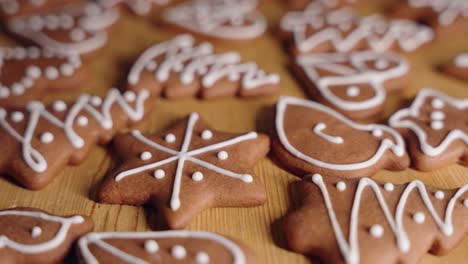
pixel 185 170
pixel 319 29
pixel 312 138
pixel 162 247
pixel 138 7
pixel 356 84
pixel 180 69
pixel 72 29
pixel 436 129
pixel 458 68
pixel 12 8
pixel 443 15
pixel 221 19
pixel 39 141
pixel 26 73
pixel 30 235
pixel 364 221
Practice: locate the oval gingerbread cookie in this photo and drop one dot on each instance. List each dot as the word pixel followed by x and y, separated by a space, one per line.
pixel 312 138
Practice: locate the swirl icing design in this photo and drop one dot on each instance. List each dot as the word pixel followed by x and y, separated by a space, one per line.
pixel 77 115
pixel 192 62
pixel 356 73
pixel 345 31
pixel 139 7
pixel 448 10
pixel 103 241
pixel 225 19
pixel 74 29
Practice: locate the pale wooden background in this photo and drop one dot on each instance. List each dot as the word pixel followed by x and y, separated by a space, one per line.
pixel 74 190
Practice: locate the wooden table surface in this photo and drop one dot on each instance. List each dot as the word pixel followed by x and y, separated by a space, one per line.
pixel 74 191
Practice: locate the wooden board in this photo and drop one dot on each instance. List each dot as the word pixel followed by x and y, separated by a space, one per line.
pixel 74 190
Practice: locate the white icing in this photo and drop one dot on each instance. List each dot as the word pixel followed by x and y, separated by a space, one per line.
pixel 190 62
pixel 226 19
pixel 376 231
pixel 356 74
pixel 159 174
pixel 353 91
pixel 439 195
pixel 202 258
pixel 185 154
pixel 318 129
pixel 197 176
pixel 397 147
pixel 419 217
pixel 377 133
pixel 88 32
pixel 448 10
pixel 462 60
pixel 98 240
pixel 207 135
pixel 350 248
pixel 56 241
pixel 401 119
pixel 146 156
pixel 389 187
pixel 17 117
pixel 341 186
pixel 465 203
pixel 47 138
pixel 437 125
pixel 178 252
pixel 151 246
pixel 36 110
pixel 82 121
pixel 223 155
pixel 139 7
pixel 170 138
pixel 376 31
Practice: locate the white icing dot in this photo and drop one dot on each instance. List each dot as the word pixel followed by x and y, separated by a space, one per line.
pixel 437 103
pixel 381 64
pixel 77 35
pixel 439 195
pixel 17 117
pixel 33 72
pixel 60 106
pixel 27 82
pixel 389 187
pixel 317 178
pixel 47 137
pixel 353 91
pixel 419 217
pixel 146 155
pixel 151 246
pixel 202 258
pixel 437 125
pixel 159 174
pixel 170 138
pixel 438 115
pixel 223 155
pixel 52 22
pixel 36 23
pixel 82 121
pixel 17 89
pixel 33 52
pixel 66 21
pixel 376 231
pixel 130 96
pixel 207 135
pixel 247 178
pixel 96 101
pixel 178 252
pixel 51 73
pixel 67 69
pixel 36 231
pixel 341 186
pixel 4 92
pixel 465 203
pixel 377 132
pixel 197 176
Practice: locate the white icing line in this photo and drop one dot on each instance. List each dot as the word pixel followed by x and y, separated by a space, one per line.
pixel 139 7
pixel 448 10
pixel 318 129
pixel 462 60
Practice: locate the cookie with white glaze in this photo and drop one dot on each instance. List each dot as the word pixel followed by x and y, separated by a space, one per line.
pixel 312 138
pixel 162 247
pixel 38 141
pixel 33 236
pixel 29 73
pixel 356 84
pixel 435 127
pixel 458 67
pixel 219 19
pixel 12 8
pixel 179 68
pixel 319 29
pixel 69 29
pixel 186 169
pixel 366 221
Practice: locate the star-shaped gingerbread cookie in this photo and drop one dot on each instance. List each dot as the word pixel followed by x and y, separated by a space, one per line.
pixel 365 221
pixel 186 169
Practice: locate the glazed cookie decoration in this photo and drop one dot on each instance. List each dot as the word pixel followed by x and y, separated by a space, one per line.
pixel 436 129
pixel 222 19
pixel 32 236
pixel 27 72
pixel 312 138
pixel 139 7
pixel 162 247
pixel 459 67
pixel 186 169
pixel 178 68
pixel 73 29
pixel 39 141
pixel 356 84
pixel 12 8
pixel 364 221
pixel 319 29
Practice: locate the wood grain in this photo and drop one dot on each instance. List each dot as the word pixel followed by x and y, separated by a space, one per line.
pixel 74 190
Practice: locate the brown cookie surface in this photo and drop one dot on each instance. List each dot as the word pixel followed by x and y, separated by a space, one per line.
pixel 186 169
pixel 163 247
pixel 32 236
pixel 364 221
pixel 38 141
pixel 312 138
pixel 178 68
pixel 436 129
